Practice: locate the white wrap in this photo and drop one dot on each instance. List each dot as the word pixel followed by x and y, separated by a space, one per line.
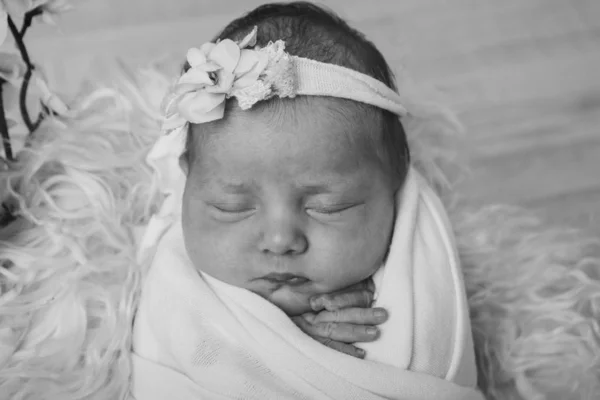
pixel 199 338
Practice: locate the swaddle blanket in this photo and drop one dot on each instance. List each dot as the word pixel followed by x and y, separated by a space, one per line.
pixel 198 338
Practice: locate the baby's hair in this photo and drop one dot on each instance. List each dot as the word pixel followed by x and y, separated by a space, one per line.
pixel 312 32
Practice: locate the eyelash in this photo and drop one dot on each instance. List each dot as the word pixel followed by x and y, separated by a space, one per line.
pixel 333 210
pixel 232 210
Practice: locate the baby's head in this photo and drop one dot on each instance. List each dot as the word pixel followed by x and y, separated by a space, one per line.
pixel 295 197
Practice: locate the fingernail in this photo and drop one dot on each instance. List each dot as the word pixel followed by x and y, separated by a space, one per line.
pixel 361 353
pixel 380 314
pixel 316 303
pixel 372 331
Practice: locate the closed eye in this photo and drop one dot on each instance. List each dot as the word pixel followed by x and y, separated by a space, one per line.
pixel 332 210
pixel 230 212
pixel 231 209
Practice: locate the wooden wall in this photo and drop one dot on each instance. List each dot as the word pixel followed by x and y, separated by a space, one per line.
pixel 524 76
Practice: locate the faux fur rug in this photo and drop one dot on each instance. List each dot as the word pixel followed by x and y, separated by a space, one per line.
pixel 69 281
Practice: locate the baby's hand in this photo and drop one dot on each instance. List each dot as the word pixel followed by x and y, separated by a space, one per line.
pixel 343 318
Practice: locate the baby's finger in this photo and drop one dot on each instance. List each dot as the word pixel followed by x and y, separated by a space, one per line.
pixel 346 333
pixel 343 347
pixel 358 316
pixel 340 332
pixel 335 301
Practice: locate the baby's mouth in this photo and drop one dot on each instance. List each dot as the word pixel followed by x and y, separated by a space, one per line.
pixel 285 279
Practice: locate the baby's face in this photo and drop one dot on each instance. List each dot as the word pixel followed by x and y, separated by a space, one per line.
pixel 287 209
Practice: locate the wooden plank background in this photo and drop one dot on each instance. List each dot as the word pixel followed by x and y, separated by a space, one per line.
pixel 524 76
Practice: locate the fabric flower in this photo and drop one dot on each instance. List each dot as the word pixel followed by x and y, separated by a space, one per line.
pixel 216 69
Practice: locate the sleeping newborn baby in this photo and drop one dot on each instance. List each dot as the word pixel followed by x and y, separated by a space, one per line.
pixel 287 175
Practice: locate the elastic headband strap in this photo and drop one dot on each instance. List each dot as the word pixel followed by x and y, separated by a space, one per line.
pixel 228 69
pixel 320 79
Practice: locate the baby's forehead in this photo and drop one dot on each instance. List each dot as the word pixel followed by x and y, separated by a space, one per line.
pixel 315 121
pixel 307 143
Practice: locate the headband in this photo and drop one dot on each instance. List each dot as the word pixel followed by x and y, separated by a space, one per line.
pixel 226 69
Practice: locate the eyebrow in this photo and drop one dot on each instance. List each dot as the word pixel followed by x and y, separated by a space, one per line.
pixel 321 188
pixel 234 187
pixel 311 188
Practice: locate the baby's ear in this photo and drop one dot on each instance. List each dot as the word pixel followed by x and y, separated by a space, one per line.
pixel 184 163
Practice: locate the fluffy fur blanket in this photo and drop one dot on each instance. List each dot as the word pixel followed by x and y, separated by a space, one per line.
pixel 69 281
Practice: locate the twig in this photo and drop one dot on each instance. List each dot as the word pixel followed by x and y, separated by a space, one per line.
pixel 29 16
pixel 18 35
pixel 19 41
pixel 23 101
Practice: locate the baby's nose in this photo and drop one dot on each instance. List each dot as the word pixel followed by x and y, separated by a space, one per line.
pixel 283 237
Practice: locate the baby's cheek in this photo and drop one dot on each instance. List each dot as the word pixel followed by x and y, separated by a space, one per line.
pixel 364 250
pixel 337 260
pixel 221 250
pixel 205 245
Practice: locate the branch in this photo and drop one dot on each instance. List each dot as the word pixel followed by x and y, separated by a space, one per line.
pixel 23 101
pixel 29 16
pixel 18 35
pixel 19 41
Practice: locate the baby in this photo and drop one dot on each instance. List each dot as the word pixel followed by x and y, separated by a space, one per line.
pixel 288 177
